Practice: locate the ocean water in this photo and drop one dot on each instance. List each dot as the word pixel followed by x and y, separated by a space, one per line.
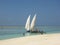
pixel 7 32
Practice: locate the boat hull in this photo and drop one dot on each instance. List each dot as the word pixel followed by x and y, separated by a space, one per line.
pixel 41 32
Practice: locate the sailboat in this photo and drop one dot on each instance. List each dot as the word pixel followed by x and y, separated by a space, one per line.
pixel 30 27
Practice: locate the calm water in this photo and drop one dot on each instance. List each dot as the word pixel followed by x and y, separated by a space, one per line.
pixel 7 32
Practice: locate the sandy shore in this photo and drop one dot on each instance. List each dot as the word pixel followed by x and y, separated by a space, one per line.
pixel 46 39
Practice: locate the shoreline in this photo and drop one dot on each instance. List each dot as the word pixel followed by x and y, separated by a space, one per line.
pixel 24 35
pixel 45 39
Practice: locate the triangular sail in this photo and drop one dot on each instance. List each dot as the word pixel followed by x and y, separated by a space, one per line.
pixel 27 26
pixel 33 22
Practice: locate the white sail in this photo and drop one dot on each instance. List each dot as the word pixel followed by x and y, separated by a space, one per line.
pixel 27 26
pixel 33 23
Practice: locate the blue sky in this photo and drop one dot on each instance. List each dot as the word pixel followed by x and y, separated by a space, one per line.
pixel 15 12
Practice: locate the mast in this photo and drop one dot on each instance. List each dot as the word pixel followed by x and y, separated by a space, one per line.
pixel 33 23
pixel 27 26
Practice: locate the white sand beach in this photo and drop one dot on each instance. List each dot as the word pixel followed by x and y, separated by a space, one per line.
pixel 45 39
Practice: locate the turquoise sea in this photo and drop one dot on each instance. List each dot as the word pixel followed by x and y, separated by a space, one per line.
pixel 7 32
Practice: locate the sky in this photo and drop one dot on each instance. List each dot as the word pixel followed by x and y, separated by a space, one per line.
pixel 15 12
